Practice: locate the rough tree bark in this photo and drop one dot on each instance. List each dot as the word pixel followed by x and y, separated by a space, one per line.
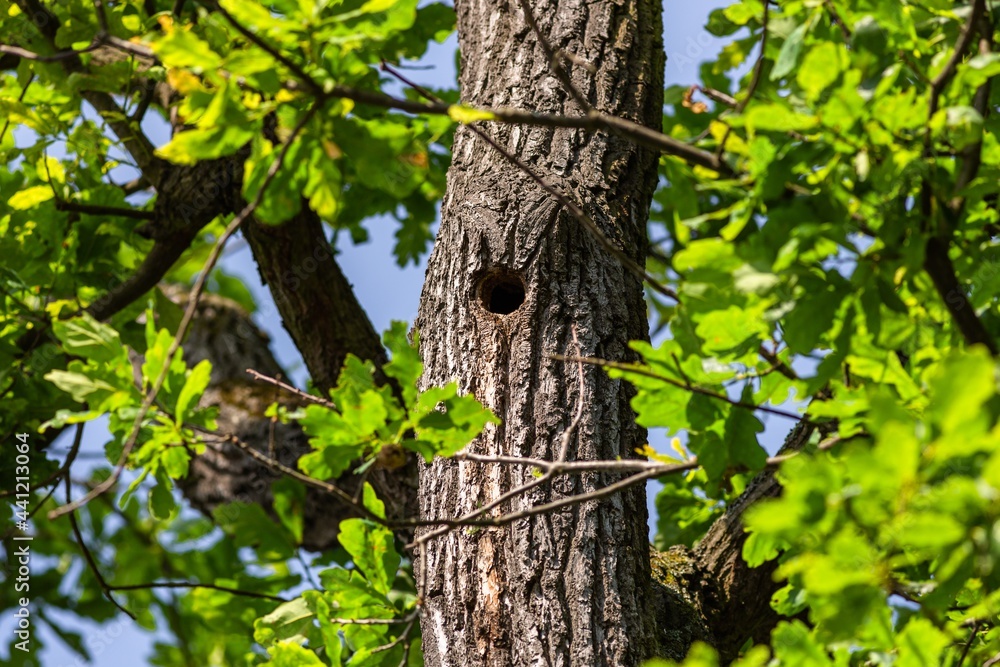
pixel 572 587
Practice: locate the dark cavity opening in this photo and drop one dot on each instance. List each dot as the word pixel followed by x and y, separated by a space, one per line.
pixel 501 291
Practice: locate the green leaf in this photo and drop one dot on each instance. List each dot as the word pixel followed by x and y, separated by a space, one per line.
pixel 960 388
pixel 813 315
pixel 291 654
pixel 927 530
pixel 740 435
pixel 789 54
pixel 708 253
pixel 446 421
pixel 461 113
pixel 921 644
pixel 724 330
pixel 290 621
pixel 84 336
pixel 248 526
pixel 161 499
pixel 372 502
pixel 30 197
pixel 194 387
pixel 181 47
pixel 794 645
pixel 405 365
pixel 978 69
pixel 289 505
pixel 774 116
pixel 174 461
pixel 742 13
pixel 78 385
pixel 820 68
pixel 371 547
pixel 191 146
pixel 960 126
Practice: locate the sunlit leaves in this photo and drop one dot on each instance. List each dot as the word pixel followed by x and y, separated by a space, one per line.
pixel 859 524
pixel 436 422
pixel 181 47
pixel 847 168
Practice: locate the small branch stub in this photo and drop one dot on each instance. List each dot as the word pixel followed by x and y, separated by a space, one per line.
pixel 500 291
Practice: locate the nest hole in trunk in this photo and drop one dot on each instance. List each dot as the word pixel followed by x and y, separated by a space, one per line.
pixel 500 291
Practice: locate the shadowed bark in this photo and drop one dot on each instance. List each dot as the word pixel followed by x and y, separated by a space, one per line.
pixel 317 305
pixel 224 334
pixel 737 601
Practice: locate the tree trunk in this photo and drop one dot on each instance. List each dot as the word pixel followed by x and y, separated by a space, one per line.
pixel 512 280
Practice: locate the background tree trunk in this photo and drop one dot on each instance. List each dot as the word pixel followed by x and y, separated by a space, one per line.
pixel 570 587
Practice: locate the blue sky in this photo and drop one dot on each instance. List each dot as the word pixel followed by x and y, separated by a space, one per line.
pixel 386 291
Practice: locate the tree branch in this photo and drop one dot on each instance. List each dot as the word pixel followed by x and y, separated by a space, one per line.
pixel 136 143
pixel 199 286
pixel 88 556
pixel 18 52
pixel 318 307
pixel 593 121
pixel 940 268
pixel 187 584
pixel 292 390
pixel 95 209
pixel 937 261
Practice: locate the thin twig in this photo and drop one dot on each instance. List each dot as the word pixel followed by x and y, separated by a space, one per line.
pixel 968 644
pixel 758 67
pixel 964 38
pixel 614 488
pixel 835 16
pixel 277 466
pixel 643 470
pixel 754 79
pixel 718 96
pixel 189 584
pixel 972 155
pixel 20 98
pixel 410 621
pixel 58 55
pixel 275 53
pixel 937 261
pixel 627 465
pixel 523 488
pixel 370 621
pixel 694 389
pixel 776 363
pixel 89 557
pixel 135 142
pixel 318 400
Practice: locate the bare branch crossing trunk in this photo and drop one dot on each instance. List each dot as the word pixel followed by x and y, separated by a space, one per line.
pixel 512 275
